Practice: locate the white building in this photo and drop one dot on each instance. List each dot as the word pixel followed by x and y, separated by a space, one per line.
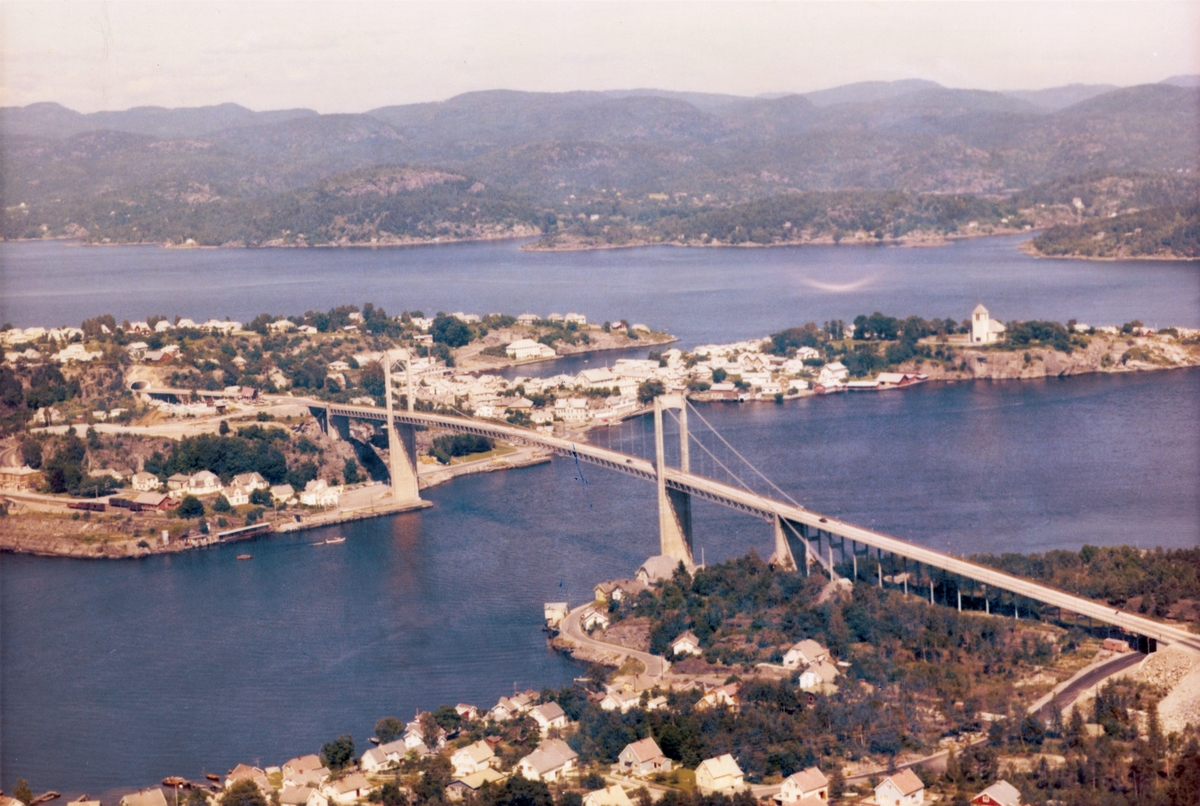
pixel 686 644
pixel 610 796
pixel 804 653
pixel 983 329
pixel 523 349
pixel 552 761
pixel 318 493
pixel 643 757
pixel 808 787
pixel 721 774
pixel 902 789
pixel 472 759
pixel 549 715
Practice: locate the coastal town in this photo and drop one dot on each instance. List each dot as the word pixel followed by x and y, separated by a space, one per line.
pixel 671 709
pixel 161 435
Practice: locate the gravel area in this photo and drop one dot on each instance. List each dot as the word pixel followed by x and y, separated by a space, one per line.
pixel 1178 670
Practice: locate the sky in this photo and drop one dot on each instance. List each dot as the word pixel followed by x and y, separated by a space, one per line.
pixel 350 56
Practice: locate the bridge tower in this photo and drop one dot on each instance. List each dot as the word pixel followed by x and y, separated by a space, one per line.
pixel 674 506
pixel 402 444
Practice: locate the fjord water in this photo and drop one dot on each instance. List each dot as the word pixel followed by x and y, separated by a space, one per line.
pixel 118 673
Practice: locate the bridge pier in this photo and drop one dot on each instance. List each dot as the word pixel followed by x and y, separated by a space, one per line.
pixel 783 548
pixel 402 449
pixel 674 506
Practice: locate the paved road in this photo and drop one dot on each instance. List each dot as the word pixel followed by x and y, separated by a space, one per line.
pixel 655 666
pixel 1088 677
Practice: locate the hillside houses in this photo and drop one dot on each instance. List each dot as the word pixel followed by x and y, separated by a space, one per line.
pixel 552 761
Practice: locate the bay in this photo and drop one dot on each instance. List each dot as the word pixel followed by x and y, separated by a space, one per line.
pixel 115 674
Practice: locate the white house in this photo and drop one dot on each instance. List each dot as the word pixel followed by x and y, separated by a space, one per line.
pixel 472 759
pixel 805 788
pixel 818 675
pixel 983 329
pixel 643 757
pixel 237 496
pixel 901 789
pixel 837 371
pixel 551 761
pixel 245 772
pixel 304 771
pixel 726 695
pixel 686 644
pixel 318 493
pixel 549 715
pixel 145 482
pixel 658 568
pixel 595 378
pixel 347 790
pixel 720 774
pixel 576 319
pixel 385 754
pixel 282 493
pixel 251 481
pixel 592 619
pixel 622 701
pixel 805 653
pixel 204 482
pixel 522 349
pixel 610 796
pixel 527 319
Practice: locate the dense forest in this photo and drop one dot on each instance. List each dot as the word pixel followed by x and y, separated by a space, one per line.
pixel 1157 233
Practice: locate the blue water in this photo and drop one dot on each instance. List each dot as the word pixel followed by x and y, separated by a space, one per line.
pixel 700 295
pixel 118 673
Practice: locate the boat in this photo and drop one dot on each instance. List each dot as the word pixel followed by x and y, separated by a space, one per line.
pixel 44 797
pixel 319 543
pixel 212 776
pixel 374 739
pixel 245 556
pixel 333 541
pixel 174 780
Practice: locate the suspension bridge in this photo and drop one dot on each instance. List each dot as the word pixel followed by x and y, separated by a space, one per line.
pixel 817 540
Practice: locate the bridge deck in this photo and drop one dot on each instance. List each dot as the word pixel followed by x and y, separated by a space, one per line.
pixel 761 506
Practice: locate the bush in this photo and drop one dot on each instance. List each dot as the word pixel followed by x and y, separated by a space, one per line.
pixel 191 507
pixel 446 447
pixel 221 504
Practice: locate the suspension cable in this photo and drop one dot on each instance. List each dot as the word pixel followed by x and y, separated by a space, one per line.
pixel 773 485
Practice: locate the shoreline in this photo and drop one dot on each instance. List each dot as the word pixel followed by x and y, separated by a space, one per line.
pixel 933 242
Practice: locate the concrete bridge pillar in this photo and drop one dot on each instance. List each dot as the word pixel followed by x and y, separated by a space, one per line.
pixel 674 506
pixel 402 449
pixel 783 547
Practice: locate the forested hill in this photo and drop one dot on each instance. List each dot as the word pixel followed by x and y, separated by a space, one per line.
pixel 228 174
pixel 1163 232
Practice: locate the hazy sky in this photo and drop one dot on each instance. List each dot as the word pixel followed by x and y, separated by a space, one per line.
pixel 352 56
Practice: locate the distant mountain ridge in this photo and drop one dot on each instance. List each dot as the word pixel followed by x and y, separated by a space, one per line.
pixel 545 158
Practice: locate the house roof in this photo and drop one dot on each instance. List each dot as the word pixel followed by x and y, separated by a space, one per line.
pixel 659 567
pixel 350 783
pixel 478 752
pixel 294 795
pixel 809 780
pixel 687 636
pixel 147 797
pixel 478 779
pixel 550 711
pixel 721 766
pixel 826 671
pixel 906 781
pixel 979 309
pixel 810 649
pixel 645 749
pixel 610 796
pixel 550 755
pixel 1001 793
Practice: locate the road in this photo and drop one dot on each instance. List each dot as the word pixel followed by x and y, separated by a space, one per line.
pixel 1085 678
pixel 656 667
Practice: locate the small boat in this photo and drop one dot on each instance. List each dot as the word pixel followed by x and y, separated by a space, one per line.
pixel 212 776
pixel 374 739
pixel 319 543
pixel 174 780
pixel 333 541
pixel 245 556
pixel 44 797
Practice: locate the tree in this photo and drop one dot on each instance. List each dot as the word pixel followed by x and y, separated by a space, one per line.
pixel 261 498
pixel 350 472
pixel 196 797
pixel 520 791
pixel 243 793
pixel 338 753
pixel 388 729
pixel 648 390
pixel 223 428
pixel 22 792
pixel 450 331
pixel 221 504
pixel 191 507
pixel 31 453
